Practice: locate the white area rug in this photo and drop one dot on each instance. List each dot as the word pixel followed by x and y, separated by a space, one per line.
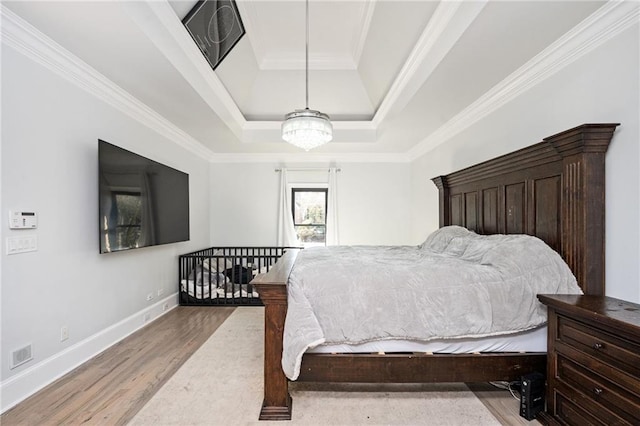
pixel 221 384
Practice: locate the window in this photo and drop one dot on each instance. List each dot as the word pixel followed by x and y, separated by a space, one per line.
pixel 129 214
pixel 309 209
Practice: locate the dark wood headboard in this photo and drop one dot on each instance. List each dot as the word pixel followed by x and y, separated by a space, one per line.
pixel 554 190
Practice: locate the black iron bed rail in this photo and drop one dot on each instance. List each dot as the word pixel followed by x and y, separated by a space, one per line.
pixel 221 276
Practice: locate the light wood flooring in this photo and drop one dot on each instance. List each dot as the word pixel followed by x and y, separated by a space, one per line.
pixel 112 387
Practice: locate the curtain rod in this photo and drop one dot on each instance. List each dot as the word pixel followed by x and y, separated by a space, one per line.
pixel 310 169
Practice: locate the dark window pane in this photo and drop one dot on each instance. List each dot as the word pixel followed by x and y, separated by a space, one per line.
pixel 309 209
pixel 128 228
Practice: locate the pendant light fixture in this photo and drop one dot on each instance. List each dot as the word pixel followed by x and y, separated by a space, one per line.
pixel 307 128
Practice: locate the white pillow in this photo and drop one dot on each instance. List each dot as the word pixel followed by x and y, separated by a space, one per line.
pixel 439 240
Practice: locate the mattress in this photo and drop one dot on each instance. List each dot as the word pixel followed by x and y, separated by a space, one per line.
pixel 534 340
pixel 456 285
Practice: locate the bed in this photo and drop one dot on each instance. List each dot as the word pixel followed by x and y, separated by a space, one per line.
pixel 553 190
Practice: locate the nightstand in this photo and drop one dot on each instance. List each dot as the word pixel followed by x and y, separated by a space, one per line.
pixel 593 361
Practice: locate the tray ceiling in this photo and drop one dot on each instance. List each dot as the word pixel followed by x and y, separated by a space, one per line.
pixel 395 76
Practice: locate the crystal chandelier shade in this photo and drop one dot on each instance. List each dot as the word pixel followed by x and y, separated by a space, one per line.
pixel 307 128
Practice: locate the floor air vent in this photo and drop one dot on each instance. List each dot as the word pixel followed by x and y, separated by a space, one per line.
pixel 20 356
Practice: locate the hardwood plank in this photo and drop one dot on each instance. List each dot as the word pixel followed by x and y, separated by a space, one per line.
pixel 113 386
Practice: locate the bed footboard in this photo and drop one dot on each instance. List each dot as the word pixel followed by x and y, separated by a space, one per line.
pixel 272 286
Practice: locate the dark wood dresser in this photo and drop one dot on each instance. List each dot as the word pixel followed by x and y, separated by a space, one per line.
pixel 593 362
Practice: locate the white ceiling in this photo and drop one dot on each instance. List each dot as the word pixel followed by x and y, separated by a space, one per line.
pixel 392 74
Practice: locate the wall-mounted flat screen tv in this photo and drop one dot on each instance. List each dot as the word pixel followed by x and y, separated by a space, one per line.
pixel 142 202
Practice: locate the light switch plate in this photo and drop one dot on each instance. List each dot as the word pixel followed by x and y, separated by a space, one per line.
pixel 22 244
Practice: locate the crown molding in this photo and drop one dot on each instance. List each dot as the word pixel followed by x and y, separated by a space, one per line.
pixel 30 42
pixel 603 25
pixel 159 22
pixel 448 23
pixel 309 157
pixel 360 37
pixel 252 28
pixel 359 132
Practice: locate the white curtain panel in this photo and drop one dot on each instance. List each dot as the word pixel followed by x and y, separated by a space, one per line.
pixel 333 238
pixel 286 232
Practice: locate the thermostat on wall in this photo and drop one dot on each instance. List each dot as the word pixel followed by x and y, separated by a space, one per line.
pixel 23 220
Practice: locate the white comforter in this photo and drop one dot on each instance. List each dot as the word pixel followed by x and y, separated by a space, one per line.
pixel 456 284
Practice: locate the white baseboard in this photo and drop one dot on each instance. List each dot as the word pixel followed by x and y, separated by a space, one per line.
pixel 19 387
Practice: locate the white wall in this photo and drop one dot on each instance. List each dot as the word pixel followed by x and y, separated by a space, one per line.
pixel 50 131
pixel 602 86
pixel 373 202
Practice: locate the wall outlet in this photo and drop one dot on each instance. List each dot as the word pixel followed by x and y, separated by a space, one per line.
pixel 147 317
pixel 149 297
pixel 160 292
pixel 64 333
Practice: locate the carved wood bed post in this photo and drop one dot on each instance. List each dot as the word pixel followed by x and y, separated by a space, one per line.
pixel 272 287
pixel 443 195
pixel 583 179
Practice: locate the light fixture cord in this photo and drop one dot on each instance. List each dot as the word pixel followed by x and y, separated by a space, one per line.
pixel 306 47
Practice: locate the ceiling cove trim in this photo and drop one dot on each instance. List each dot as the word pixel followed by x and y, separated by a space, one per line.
pixel 357 132
pixel 604 24
pixel 158 21
pixel 360 38
pixel 448 23
pixel 315 157
pixel 27 40
pixel 252 27
pixel 30 42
